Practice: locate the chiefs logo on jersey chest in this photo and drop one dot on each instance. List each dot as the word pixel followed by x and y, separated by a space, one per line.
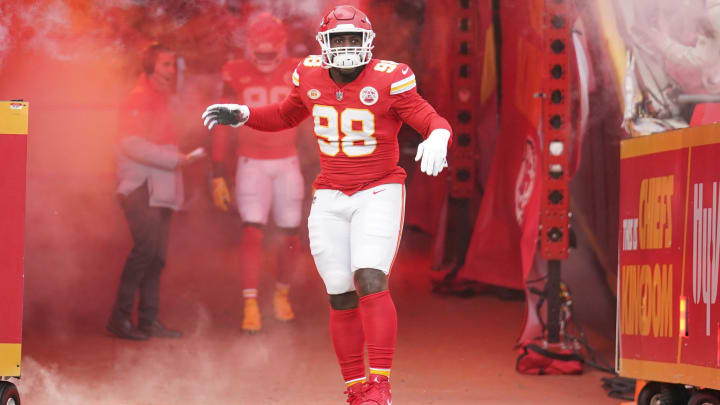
pixel 368 95
pixel 313 94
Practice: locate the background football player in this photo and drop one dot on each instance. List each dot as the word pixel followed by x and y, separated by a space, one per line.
pixel 268 177
pixel 358 104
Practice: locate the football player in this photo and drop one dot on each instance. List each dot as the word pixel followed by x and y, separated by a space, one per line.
pixel 268 176
pixel 358 104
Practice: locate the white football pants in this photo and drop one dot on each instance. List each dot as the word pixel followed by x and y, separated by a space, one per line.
pixel 262 184
pixel 354 232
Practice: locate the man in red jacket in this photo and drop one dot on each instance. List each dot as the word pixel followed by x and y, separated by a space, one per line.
pixel 150 188
pixel 358 104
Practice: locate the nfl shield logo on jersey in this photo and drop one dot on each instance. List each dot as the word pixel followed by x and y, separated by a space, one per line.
pixel 368 95
pixel 339 95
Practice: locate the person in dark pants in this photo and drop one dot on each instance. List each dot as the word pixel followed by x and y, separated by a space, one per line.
pixel 150 188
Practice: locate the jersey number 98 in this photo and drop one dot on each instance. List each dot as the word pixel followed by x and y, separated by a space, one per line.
pixel 350 131
pixel 255 96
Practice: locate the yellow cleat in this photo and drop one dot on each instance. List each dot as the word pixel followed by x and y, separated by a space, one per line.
pixel 251 316
pixel 283 309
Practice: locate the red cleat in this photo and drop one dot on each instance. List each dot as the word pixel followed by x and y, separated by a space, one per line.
pixel 356 393
pixel 377 391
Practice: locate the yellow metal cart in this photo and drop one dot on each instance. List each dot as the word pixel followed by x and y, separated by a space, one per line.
pixel 668 323
pixel 13 171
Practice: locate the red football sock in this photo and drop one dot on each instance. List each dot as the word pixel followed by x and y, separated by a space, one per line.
pixel 379 320
pixel 288 258
pixel 346 332
pixel 251 251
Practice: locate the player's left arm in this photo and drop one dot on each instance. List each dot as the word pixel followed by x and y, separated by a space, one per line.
pixel 415 111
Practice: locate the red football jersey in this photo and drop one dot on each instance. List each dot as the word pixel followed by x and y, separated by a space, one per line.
pixel 255 88
pixel 356 124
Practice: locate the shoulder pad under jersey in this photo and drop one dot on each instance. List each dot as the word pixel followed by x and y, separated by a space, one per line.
pixel 310 62
pixel 402 78
pixel 397 77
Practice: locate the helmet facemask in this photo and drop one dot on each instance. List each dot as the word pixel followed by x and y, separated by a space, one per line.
pixel 266 56
pixel 266 42
pixel 346 57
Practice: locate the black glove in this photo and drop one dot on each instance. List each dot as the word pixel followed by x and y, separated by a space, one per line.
pixel 225 114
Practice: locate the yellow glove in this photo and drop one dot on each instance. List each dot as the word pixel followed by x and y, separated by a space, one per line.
pixel 221 194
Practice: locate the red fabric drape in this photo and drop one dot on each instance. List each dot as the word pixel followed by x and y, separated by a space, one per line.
pixel 505 235
pixel 426 194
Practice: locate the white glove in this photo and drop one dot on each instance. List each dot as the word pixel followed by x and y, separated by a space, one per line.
pixel 433 151
pixel 226 114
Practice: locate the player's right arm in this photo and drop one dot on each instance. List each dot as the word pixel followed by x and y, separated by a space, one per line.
pixel 288 113
pixel 272 117
pixel 222 136
pixel 222 142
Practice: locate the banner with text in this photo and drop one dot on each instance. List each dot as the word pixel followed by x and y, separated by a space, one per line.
pixel 668 311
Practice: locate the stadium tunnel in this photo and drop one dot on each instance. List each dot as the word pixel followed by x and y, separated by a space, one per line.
pixel 515 243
